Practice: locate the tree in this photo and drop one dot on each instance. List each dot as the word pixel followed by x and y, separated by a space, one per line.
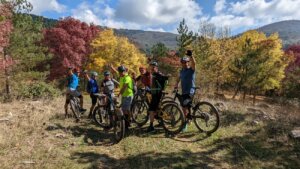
pixel 292 81
pixel 260 63
pixel 159 50
pixel 6 27
pixel 213 51
pixel 185 38
pixel 25 46
pixel 69 42
pixel 108 48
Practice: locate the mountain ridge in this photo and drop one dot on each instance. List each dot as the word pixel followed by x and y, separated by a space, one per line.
pixel 289 32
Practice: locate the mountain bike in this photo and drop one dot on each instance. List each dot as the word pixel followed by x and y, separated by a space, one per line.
pixel 204 114
pixel 75 106
pixel 107 115
pixel 170 116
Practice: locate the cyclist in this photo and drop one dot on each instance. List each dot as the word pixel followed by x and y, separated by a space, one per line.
pixel 158 83
pixel 187 79
pixel 72 85
pixel 92 88
pixel 144 79
pixel 108 85
pixel 126 91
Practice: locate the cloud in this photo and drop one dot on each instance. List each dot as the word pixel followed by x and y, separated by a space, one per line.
pixel 220 6
pixel 249 14
pixel 156 29
pixel 42 6
pixel 101 15
pixel 157 12
pixel 85 14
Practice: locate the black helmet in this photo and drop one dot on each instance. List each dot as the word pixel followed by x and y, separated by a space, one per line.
pixel 106 73
pixel 189 53
pixel 121 68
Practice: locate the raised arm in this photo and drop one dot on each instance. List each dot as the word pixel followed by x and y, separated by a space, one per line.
pixel 115 82
pixel 193 63
pixel 114 70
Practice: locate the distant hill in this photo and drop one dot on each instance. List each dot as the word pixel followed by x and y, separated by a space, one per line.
pixel 289 31
pixel 144 39
pixel 147 39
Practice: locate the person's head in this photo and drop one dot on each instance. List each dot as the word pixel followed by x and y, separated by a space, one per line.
pixel 154 66
pixel 70 70
pixel 106 75
pixel 133 75
pixel 122 70
pixel 76 71
pixel 142 70
pixel 185 62
pixel 94 75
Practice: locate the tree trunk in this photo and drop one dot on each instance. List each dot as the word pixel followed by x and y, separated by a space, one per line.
pixel 244 95
pixel 6 73
pixel 254 98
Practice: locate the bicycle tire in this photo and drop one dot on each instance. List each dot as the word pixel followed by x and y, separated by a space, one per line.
pixel 165 121
pixel 200 114
pixel 75 108
pixel 119 129
pixel 140 109
pixel 99 118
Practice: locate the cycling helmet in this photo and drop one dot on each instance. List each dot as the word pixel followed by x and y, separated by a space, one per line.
pixel 94 73
pixel 185 59
pixel 121 68
pixel 154 63
pixel 106 73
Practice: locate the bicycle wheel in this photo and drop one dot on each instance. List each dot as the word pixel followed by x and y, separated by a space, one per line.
pixel 140 114
pixel 119 129
pixel 75 108
pixel 102 117
pixel 206 117
pixel 172 118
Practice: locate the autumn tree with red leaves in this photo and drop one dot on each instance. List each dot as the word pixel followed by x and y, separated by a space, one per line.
pixel 292 80
pixel 5 30
pixel 69 42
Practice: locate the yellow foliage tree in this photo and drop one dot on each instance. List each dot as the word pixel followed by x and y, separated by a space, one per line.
pixel 259 64
pixel 110 49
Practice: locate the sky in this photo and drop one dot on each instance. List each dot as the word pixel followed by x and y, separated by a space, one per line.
pixel 165 15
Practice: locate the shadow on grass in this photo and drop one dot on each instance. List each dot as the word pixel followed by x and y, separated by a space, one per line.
pixel 91 135
pixel 182 159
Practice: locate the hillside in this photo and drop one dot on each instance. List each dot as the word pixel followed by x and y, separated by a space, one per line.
pixel 146 39
pixel 289 31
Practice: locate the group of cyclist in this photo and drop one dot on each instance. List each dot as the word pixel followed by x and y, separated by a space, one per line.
pixel 150 78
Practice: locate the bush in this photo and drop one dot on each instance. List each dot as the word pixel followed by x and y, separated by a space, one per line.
pixel 37 90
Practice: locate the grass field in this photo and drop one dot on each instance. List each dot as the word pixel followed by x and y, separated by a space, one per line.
pixel 35 134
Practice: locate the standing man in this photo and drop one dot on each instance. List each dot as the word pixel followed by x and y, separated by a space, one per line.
pixel 187 79
pixel 157 86
pixel 92 88
pixel 126 91
pixel 72 85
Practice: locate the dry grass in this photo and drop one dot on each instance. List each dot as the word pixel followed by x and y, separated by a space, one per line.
pixel 38 136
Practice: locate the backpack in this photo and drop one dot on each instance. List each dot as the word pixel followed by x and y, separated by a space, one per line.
pixel 160 80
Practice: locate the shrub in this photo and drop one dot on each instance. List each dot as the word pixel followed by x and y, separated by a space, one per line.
pixel 37 90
